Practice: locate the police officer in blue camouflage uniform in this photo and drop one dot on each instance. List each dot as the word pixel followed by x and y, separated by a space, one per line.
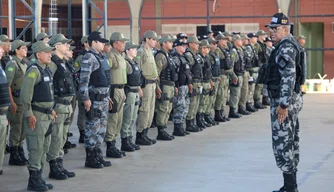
pixel 285 77
pixel 94 90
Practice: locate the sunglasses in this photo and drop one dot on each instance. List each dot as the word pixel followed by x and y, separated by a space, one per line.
pixel 274 29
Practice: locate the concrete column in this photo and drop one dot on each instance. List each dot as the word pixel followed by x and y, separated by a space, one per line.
pixel 158 13
pixel 84 18
pixel 38 17
pixel 283 6
pixel 135 6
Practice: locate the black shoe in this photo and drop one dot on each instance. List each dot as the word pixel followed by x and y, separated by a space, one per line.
pixel 194 123
pixel 69 134
pixel 82 136
pixel 112 150
pixel 62 169
pixel 21 153
pixel 69 145
pixel 207 123
pixel 265 100
pixel 218 116
pixel 141 139
pixel 99 156
pixel 290 183
pixel 55 172
pixel 7 150
pixel 126 146
pixel 233 114
pixel 163 135
pixel 199 122
pixel 258 105
pixel 153 141
pixel 222 114
pixel 178 130
pixel 91 160
pixel 190 127
pixel 66 151
pixel 50 186
pixel 243 111
pixel 137 147
pixel 15 158
pixel 208 118
pixel 250 107
pixel 35 182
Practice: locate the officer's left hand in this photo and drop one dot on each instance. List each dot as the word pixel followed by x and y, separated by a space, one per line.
pixel 141 94
pixel 282 114
pixel 54 116
pixel 211 85
pixel 158 92
pixel 110 104
pixel 176 91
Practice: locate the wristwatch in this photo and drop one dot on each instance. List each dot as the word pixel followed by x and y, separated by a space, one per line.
pixel 283 106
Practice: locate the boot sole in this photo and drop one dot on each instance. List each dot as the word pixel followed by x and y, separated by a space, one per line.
pixel 95 167
pixel 38 189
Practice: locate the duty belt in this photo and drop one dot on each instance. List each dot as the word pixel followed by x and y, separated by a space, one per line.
pixel 132 90
pixel 97 96
pixel 239 73
pixel 42 109
pixel 3 112
pixel 206 81
pixel 151 81
pixel 197 81
pixel 63 101
pixel 117 86
pixel 169 83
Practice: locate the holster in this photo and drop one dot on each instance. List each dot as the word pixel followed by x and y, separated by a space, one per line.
pixel 49 131
pixel 213 91
pixel 115 104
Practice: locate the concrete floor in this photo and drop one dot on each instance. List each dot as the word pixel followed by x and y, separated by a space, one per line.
pixel 234 157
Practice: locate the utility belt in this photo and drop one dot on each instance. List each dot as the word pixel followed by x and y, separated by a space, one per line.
pixel 127 89
pixel 150 81
pixel 169 83
pixel 117 86
pixel 42 109
pixel 16 93
pixel 239 73
pixel 97 96
pixel 3 112
pixel 63 101
pixel 197 81
pixel 206 81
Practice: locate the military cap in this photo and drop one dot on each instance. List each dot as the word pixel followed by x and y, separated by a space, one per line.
pixel 193 39
pixel 2 43
pixel 278 19
pixel 205 43
pixel 236 33
pixel 41 46
pixel 236 37
pixel 59 38
pixel 97 36
pixel 84 39
pixel 261 32
pixel 244 36
pixel 151 35
pixel 251 35
pixel 42 36
pixel 18 43
pixel 210 40
pixel 5 38
pixel 166 38
pixel 220 36
pixel 130 45
pixel 117 36
pixel 182 36
pixel 268 39
pixel 227 34
pixel 300 37
pixel 179 42
pixel 72 48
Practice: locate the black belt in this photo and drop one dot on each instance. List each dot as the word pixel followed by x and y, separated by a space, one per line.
pixel 97 96
pixel 206 81
pixel 169 83
pixel 42 109
pixel 197 81
pixel 63 101
pixel 133 90
pixel 239 73
pixel 3 112
pixel 150 81
pixel 117 86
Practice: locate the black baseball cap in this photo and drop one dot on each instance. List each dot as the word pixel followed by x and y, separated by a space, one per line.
pixel 278 19
pixel 179 42
pixel 97 36
pixel 251 35
pixel 182 36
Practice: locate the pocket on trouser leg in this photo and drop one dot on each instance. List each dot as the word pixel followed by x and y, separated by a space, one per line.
pixel 36 150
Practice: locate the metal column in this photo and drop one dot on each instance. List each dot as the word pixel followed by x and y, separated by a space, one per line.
pixel 208 15
pixel 103 14
pixel 69 17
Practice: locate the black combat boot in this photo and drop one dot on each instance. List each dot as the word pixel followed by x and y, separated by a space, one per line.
pixel 190 127
pixel 163 135
pixel 206 123
pixel 35 182
pixel 126 146
pixel 223 115
pixel 137 147
pixel 141 139
pixel 61 167
pixel 209 120
pixel 15 158
pixel 233 114
pixel 178 127
pixel 194 123
pixel 290 183
pixel 258 105
pixel 69 134
pixel 243 111
pixel 69 145
pixel 199 122
pixel 50 186
pixel 112 150
pixel 213 120
pixel 91 159
pixel 55 172
pixel 265 100
pixel 153 141
pixel 250 107
pixel 82 136
pixel 99 156
pixel 21 153
pixel 218 116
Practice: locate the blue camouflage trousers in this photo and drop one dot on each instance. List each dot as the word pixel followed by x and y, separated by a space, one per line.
pixel 285 136
pixel 96 123
pixel 181 105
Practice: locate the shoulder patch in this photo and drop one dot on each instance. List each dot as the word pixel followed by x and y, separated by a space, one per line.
pixel 10 69
pixel 32 75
